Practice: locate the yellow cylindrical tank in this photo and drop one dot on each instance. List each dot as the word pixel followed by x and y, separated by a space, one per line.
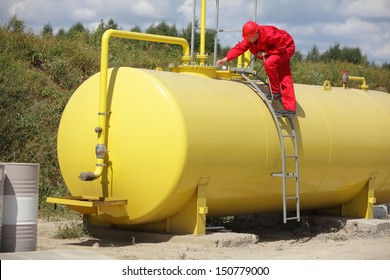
pixel 169 132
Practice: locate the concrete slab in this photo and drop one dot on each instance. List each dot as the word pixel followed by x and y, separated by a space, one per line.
pixel 54 255
pixel 369 224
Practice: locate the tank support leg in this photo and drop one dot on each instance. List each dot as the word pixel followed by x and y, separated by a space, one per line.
pixel 192 218
pixel 362 205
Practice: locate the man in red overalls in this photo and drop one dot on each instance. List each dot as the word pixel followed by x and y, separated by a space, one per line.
pixel 276 47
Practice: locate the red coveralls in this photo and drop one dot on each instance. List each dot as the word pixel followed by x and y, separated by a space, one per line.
pixel 280 47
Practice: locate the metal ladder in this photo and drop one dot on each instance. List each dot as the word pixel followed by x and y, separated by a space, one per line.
pixel 293 175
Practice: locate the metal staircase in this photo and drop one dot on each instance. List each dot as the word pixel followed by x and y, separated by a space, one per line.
pixel 289 193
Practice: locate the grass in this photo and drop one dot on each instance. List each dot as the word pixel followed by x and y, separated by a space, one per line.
pixel 71 229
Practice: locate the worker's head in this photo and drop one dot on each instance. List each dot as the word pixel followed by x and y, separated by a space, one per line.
pixel 250 31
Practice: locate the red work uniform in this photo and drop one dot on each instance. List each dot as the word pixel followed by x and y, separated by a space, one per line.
pixel 280 47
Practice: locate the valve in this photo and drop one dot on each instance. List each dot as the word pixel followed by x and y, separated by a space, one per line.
pixel 345 78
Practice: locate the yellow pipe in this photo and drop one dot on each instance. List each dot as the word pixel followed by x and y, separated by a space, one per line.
pixel 244 59
pixel 102 119
pixel 362 79
pixel 202 56
pixel 247 58
pixel 239 61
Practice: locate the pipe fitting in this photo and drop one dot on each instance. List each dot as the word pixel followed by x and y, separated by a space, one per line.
pixel 87 176
pixel 100 150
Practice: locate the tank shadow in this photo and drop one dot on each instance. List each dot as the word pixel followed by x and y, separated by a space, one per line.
pixel 270 227
pixel 267 227
pixel 120 237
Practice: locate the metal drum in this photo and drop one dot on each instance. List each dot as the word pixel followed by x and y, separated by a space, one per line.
pixel 20 207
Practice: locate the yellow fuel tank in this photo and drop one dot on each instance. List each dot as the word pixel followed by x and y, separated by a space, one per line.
pixel 169 133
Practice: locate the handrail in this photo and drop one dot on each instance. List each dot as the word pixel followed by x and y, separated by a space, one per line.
pixel 101 150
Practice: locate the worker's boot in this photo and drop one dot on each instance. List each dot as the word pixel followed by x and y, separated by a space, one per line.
pixel 285 113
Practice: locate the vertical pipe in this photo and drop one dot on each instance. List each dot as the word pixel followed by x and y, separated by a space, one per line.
pixel 255 20
pixel 193 28
pixel 203 28
pixel 202 56
pixel 216 33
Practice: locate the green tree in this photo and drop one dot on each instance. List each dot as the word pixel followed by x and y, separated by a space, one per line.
pixel 353 55
pixel 163 29
pixel 332 54
pixel 298 56
pixel 47 30
pixel 16 25
pixel 77 30
pixel 136 28
pixel 314 54
pixel 347 54
pixel 386 65
pixel 61 33
pixel 112 24
pixel 186 33
pixel 96 36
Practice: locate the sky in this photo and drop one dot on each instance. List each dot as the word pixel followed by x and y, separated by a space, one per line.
pixel 350 23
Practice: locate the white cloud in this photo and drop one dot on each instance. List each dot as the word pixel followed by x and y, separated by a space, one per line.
pixel 364 8
pixel 186 8
pixel 352 27
pixel 302 30
pixel 144 8
pixel 17 8
pixel 84 14
pixel 381 51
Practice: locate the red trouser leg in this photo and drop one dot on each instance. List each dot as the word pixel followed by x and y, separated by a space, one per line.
pixel 288 94
pixel 279 74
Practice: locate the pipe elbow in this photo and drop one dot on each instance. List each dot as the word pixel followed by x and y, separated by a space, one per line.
pixel 87 176
pixel 91 176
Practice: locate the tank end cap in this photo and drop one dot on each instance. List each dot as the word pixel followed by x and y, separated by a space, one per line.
pixel 87 176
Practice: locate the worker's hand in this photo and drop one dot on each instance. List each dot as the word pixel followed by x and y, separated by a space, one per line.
pixel 261 54
pixel 221 61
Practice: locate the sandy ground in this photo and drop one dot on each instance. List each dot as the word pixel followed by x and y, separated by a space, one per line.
pixel 251 237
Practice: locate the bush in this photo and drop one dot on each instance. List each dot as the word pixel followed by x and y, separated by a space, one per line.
pixel 72 230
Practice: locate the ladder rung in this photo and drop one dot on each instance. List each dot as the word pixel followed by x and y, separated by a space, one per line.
pixel 288 135
pixel 290 156
pixel 292 197
pixel 288 175
pixel 293 218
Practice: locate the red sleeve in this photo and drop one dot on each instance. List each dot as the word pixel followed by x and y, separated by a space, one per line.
pixel 237 50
